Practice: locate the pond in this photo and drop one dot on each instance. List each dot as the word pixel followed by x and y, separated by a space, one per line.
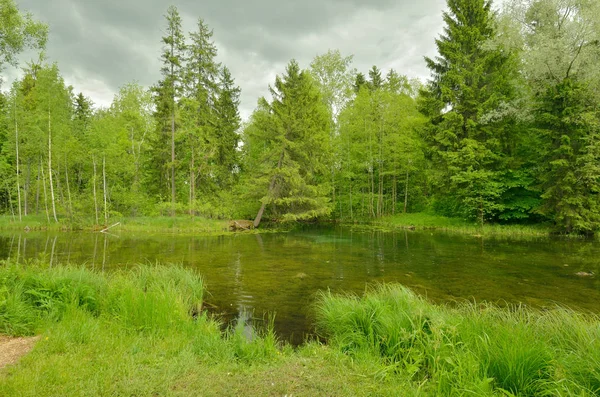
pixel 281 273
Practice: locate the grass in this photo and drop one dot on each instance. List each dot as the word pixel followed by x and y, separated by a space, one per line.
pixel 468 350
pixel 143 332
pixel 177 224
pixel 424 221
pixel 180 224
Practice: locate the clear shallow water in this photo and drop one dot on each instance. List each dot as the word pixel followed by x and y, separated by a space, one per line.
pixel 282 273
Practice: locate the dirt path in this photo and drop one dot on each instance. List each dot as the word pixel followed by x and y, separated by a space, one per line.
pixel 12 349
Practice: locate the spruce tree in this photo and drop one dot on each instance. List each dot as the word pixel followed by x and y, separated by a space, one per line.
pixel 570 180
pixel 198 113
pixel 375 79
pixel 469 80
pixel 166 96
pixel 288 141
pixel 228 123
pixel 359 82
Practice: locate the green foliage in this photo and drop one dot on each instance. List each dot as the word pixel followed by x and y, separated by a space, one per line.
pixel 288 152
pixel 332 72
pixel 506 130
pixel 17 32
pixel 471 80
pixel 571 179
pixel 380 159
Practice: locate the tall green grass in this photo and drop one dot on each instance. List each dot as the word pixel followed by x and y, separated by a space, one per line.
pixel 472 349
pixel 148 300
pixel 143 332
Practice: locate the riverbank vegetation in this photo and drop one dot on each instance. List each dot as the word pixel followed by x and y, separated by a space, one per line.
pixel 424 221
pixel 144 331
pixel 502 133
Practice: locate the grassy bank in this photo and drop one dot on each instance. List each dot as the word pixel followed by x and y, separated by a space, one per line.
pixel 423 221
pixel 159 224
pixel 143 332
pixel 181 224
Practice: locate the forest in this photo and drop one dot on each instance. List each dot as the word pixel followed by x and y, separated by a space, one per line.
pixel 505 130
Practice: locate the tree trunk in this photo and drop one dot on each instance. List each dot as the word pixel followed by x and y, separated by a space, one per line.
pixel 104 189
pixel 481 210
pixel 394 193
pixel 406 192
pixel 50 167
pixel 351 211
pixel 372 192
pixel 26 187
pixel 380 208
pixel 95 193
pixel 172 50
pixel 271 187
pixel 68 190
pixel 45 193
pixel 12 210
pixel 37 190
pixel 173 161
pixel 17 153
pixel 192 187
pixel 61 193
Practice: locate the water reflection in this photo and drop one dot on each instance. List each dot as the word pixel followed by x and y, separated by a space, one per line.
pixel 281 273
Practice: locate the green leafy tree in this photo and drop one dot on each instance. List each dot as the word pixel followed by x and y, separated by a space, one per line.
pixel 334 76
pixel 17 32
pixel 380 153
pixel 560 42
pixel 571 178
pixel 132 112
pixel 41 119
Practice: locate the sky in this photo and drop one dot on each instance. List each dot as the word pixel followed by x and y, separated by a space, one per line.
pixel 100 45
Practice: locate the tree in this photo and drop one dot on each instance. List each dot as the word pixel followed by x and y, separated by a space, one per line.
pixel 198 116
pixel 132 111
pixel 335 78
pixel 41 114
pixel 571 178
pixel 470 79
pixel 228 124
pixel 378 149
pixel 359 82
pixel 561 46
pixel 288 139
pixel 17 32
pixel 375 79
pixel 167 93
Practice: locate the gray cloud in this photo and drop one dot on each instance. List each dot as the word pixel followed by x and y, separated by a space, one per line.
pixel 101 45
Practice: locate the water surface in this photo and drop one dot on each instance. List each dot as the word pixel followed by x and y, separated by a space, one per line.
pixel 282 273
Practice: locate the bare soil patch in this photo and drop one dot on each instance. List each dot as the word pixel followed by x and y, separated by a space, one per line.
pixel 12 349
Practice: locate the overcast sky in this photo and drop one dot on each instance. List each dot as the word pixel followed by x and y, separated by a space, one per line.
pixel 102 44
